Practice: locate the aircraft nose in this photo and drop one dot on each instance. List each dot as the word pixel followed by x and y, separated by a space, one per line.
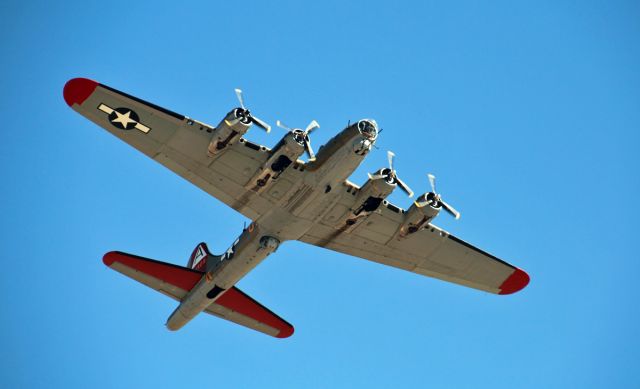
pixel 368 128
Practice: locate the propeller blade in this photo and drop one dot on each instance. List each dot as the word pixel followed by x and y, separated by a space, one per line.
pixel 450 209
pixel 261 124
pixel 312 126
pixel 404 187
pixel 282 125
pixel 390 156
pixel 307 146
pixel 253 119
pixel 432 181
pixel 239 94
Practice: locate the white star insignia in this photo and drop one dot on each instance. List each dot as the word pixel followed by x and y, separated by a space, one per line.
pixel 123 119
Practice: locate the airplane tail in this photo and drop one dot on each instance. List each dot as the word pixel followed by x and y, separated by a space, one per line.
pixel 177 281
pixel 199 257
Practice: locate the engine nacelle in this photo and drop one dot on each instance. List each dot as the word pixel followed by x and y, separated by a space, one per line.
pixel 230 129
pixel 287 151
pixel 421 212
pixel 370 196
pixel 368 199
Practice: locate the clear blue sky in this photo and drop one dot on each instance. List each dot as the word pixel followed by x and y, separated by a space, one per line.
pixel 528 113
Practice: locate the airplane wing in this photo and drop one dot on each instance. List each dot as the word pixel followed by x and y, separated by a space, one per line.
pixel 176 281
pixel 175 141
pixel 431 252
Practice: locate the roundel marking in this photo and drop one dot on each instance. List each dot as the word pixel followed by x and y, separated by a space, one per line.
pixel 124 118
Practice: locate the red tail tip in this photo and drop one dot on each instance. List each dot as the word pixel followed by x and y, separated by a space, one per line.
pixel 285 333
pixel 516 281
pixel 77 90
pixel 110 257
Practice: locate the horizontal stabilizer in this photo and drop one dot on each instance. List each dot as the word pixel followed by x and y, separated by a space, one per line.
pixel 176 281
pixel 234 305
pixel 173 280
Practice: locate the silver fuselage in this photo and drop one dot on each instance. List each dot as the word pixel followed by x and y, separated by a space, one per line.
pixel 309 197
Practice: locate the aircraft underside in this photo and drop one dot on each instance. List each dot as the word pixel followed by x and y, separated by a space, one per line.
pixel 287 199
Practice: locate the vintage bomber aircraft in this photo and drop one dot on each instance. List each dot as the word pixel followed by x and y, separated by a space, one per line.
pixel 287 199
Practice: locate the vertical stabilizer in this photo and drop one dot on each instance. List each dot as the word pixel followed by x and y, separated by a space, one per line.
pixel 199 257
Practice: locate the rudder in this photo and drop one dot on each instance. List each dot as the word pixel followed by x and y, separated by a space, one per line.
pixel 199 257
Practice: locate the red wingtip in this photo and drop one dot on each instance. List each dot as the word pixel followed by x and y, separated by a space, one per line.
pixel 77 90
pixel 285 333
pixel 516 281
pixel 110 257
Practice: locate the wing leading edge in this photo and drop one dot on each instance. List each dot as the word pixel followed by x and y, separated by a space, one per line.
pixel 176 281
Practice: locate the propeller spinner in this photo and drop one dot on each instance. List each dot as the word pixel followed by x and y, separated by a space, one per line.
pixel 391 175
pixel 435 200
pixel 244 115
pixel 301 136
